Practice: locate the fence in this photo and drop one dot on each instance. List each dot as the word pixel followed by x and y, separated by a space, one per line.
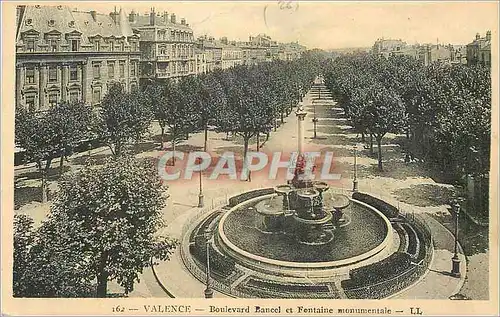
pixel 406 278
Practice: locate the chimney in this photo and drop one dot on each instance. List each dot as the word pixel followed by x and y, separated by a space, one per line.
pixel 183 21
pixel 488 35
pixel 152 16
pixel 172 18
pixel 478 36
pixel 94 15
pixel 165 17
pixel 114 16
pixel 132 17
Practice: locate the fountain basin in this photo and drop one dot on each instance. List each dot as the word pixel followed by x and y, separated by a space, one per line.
pixel 283 254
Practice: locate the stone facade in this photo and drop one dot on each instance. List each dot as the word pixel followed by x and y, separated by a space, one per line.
pixel 479 50
pixel 70 55
pixel 167 45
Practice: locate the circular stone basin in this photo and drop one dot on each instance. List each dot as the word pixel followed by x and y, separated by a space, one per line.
pixel 270 207
pixel 283 189
pixel 367 233
pixel 328 216
pixel 307 193
pixel 338 201
pixel 321 186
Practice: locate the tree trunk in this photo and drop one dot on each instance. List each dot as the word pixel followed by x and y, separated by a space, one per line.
pixel 61 162
pixel 379 144
pixel 162 138
pixel 371 143
pixel 102 276
pixel 173 147
pixel 274 124
pixel 206 138
pixel 227 135
pixel 43 178
pixel 267 137
pixel 281 117
pixel 363 136
pixel 258 141
pixel 245 150
pixel 407 154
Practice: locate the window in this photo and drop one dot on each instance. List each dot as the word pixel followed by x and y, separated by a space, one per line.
pixel 96 70
pixel 53 45
pixel 73 73
pixel 30 102
pixel 52 99
pixel 73 96
pixel 122 69
pixel 111 69
pixel 74 45
pixel 96 96
pixel 132 69
pixel 30 75
pixel 52 74
pixel 30 45
pixel 97 45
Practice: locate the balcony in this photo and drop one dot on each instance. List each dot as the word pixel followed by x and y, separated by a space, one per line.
pixel 163 58
pixel 163 74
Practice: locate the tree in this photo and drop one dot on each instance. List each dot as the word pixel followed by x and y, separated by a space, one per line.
pixel 108 217
pixel 38 135
pixel 125 117
pixel 384 113
pixel 43 266
pixel 211 102
pixel 74 123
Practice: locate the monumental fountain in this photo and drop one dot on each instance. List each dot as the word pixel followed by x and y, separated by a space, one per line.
pixel 299 232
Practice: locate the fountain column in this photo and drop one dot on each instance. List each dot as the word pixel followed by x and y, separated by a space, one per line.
pixel 301 114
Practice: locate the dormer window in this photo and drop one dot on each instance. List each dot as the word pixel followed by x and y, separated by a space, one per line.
pixel 99 23
pixel 86 22
pixel 52 22
pixel 59 7
pixel 29 21
pixel 71 24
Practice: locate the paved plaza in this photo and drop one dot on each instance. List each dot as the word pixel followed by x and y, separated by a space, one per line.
pixel 171 278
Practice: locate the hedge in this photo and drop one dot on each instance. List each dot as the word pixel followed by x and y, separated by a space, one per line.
pixel 377 272
pixel 387 209
pixel 238 199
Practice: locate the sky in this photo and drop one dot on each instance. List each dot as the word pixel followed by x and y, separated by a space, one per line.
pixel 327 25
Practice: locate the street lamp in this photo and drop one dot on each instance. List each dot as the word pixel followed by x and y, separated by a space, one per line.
pixel 355 178
pixel 209 293
pixel 200 195
pixel 455 261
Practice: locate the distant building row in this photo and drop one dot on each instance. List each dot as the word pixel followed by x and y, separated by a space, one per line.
pixel 64 54
pixel 478 52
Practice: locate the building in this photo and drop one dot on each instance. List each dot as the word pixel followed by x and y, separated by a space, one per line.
pixel 290 51
pixel 167 45
pixel 479 50
pixel 201 61
pixel 213 52
pixel 385 47
pixel 231 54
pixel 251 54
pixel 70 55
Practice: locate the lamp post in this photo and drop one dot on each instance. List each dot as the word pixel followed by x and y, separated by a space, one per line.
pixel 200 195
pixel 455 261
pixel 355 178
pixel 314 120
pixel 209 293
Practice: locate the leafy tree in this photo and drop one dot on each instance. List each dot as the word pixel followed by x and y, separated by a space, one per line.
pixel 43 267
pixel 125 117
pixel 38 135
pixel 108 218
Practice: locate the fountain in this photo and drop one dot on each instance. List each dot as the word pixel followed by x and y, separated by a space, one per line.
pixel 302 212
